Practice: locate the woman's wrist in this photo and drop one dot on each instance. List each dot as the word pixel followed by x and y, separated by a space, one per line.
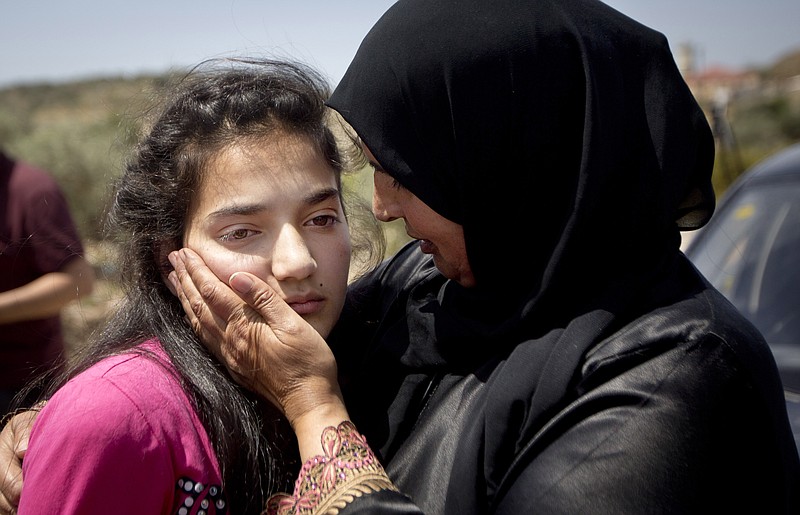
pixel 310 425
pixel 345 470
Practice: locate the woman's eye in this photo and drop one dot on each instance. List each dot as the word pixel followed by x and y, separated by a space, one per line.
pixel 236 234
pixel 394 182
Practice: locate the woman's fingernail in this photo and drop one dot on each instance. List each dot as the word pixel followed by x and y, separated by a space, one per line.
pixel 241 282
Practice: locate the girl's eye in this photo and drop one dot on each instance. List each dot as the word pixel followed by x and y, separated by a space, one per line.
pixel 236 234
pixel 323 220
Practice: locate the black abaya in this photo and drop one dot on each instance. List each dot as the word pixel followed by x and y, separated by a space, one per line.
pixel 592 368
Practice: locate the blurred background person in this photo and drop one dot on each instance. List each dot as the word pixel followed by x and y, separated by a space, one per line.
pixel 42 269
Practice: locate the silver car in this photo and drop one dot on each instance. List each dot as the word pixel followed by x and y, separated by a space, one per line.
pixel 750 251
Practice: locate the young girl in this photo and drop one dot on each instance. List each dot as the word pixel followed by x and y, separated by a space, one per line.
pixel 241 167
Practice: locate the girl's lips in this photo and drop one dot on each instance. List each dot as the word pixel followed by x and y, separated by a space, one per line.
pixel 306 307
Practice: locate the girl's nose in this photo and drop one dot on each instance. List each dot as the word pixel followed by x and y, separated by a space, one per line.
pixel 291 257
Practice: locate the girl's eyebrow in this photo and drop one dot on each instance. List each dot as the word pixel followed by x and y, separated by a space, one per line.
pixel 237 209
pixel 321 196
pixel 311 199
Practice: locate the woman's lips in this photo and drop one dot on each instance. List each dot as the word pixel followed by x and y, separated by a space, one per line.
pixel 426 247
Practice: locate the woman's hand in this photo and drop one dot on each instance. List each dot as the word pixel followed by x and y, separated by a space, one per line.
pixel 266 346
pixel 13 446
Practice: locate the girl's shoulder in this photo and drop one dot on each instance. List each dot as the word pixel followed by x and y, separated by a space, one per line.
pixel 123 430
pixel 127 393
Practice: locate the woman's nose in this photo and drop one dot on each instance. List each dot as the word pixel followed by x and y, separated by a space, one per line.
pixel 291 257
pixel 384 206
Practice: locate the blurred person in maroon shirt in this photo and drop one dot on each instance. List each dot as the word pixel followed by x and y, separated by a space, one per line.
pixel 42 269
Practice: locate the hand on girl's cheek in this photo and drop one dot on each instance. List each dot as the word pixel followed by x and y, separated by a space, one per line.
pixel 172 283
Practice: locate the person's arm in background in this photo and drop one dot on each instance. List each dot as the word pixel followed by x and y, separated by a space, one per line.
pixel 47 295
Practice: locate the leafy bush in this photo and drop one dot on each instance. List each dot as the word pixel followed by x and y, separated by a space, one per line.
pixel 81 131
pixel 75 131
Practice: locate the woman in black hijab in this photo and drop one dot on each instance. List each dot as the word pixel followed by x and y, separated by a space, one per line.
pixel 575 362
pixel 581 364
pixel 578 363
pixel 590 368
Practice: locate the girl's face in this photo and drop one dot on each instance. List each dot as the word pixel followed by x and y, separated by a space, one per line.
pixel 272 208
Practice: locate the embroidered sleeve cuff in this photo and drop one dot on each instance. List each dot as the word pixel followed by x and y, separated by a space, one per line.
pixel 327 483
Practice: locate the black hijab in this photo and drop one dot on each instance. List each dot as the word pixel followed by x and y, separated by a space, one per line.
pixel 562 137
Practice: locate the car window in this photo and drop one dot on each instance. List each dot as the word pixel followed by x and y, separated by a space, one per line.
pixel 752 257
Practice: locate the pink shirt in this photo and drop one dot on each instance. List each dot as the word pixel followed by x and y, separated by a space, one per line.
pixel 121 438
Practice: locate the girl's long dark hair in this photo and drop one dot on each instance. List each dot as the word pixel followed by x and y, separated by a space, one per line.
pixel 216 104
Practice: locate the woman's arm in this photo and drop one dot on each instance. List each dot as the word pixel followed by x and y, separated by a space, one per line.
pixel 13 446
pixel 269 348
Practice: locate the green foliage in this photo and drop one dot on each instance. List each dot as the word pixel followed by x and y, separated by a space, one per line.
pixel 75 131
pixel 81 132
pixel 767 122
pixel 760 125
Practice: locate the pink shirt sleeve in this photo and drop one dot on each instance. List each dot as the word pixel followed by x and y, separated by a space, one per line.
pixel 93 451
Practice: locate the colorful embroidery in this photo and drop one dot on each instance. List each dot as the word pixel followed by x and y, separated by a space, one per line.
pixel 199 499
pixel 328 483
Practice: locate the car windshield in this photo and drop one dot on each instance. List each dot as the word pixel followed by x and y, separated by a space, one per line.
pixel 752 258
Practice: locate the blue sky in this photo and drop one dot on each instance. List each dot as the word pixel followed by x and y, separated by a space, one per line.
pixel 65 40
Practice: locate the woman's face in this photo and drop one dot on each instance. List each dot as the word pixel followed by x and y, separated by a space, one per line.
pixel 272 208
pixel 438 236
